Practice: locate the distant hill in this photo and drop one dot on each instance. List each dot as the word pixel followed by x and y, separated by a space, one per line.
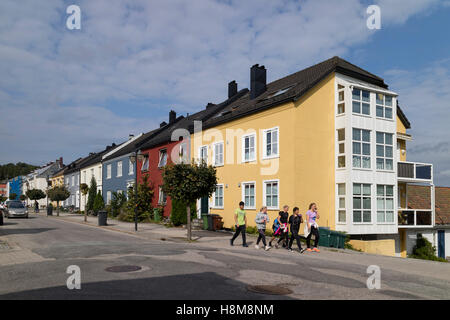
pixel 11 170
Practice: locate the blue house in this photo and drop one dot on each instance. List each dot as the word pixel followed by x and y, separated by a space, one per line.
pixel 16 186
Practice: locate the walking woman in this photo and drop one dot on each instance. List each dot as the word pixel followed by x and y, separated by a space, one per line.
pixel 312 228
pixel 261 219
pixel 295 221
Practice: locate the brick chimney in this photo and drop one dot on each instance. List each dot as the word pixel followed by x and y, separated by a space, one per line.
pixel 258 81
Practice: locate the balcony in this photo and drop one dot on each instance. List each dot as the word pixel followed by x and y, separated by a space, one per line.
pixel 415 172
pixel 415 218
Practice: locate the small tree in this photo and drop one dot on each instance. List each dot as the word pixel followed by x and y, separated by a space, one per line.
pixel 99 204
pixel 189 182
pixel 143 204
pixel 117 202
pixel 84 191
pixel 425 250
pixel 12 196
pixel 178 216
pixel 23 197
pixel 92 194
pixel 58 193
pixel 35 194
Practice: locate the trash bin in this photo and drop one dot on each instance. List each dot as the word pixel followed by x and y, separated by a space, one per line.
pixel 324 237
pixel 334 238
pixel 50 210
pixel 217 222
pixel 205 221
pixel 102 218
pixel 210 222
pixel 156 214
pixel 341 240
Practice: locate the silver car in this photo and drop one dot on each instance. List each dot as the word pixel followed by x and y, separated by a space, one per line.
pixel 16 209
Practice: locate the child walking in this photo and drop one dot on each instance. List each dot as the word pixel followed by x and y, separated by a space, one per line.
pixel 261 219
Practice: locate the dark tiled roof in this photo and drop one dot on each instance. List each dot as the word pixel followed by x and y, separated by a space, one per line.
pixel 403 117
pixel 96 157
pixel 419 197
pixel 298 84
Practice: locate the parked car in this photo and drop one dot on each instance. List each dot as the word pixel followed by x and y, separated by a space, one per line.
pixel 15 209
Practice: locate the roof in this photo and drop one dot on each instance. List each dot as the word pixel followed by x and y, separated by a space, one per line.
pixel 96 157
pixel 419 197
pixel 403 117
pixel 292 88
pixel 60 172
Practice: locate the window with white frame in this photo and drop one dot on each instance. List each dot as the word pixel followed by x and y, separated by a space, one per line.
pixel 108 197
pixel 145 164
pixel 249 148
pixel 119 191
pixel 218 154
pixel 249 195
pixel 271 194
pixel 362 206
pixel 361 148
pixel 271 143
pixel 92 172
pixel 341 99
pixel 78 180
pixel 108 171
pixel 84 177
pixel 203 154
pixel 342 214
pixel 183 154
pixel 73 181
pixel 361 101
pixel 384 106
pixel 119 168
pixel 341 148
pixel 67 181
pixel 218 196
pixel 385 204
pixel 130 167
pixel 385 151
pixel 162 196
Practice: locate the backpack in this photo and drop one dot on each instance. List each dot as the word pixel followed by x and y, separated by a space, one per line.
pixel 275 225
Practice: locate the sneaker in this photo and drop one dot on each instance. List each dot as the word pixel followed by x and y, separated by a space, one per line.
pixel 231 242
pixel 290 250
pixel 256 246
pixel 267 248
pixel 302 250
pixel 316 250
pixel 309 250
pixel 276 245
pixel 245 245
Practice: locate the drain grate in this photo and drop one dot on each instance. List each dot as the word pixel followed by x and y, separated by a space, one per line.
pixel 123 269
pixel 268 289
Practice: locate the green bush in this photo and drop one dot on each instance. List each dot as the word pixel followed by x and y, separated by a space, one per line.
pixel 425 250
pixel 99 204
pixel 178 216
pixel 117 202
pixel 251 230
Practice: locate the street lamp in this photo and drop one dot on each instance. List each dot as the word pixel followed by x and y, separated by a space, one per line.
pixel 134 159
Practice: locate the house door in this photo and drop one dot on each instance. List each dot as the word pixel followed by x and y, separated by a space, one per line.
pixel 204 204
pixel 441 244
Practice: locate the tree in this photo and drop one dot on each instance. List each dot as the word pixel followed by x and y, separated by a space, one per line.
pixel 91 195
pixel 58 193
pixel 2 198
pixel 178 216
pixel 143 203
pixel 35 194
pixel 424 249
pixel 99 204
pixel 23 197
pixel 12 196
pixel 84 188
pixel 117 202
pixel 189 182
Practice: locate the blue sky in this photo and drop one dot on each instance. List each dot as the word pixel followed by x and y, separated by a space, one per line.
pixel 67 93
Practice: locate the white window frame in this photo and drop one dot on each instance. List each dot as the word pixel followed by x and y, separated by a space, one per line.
pixel 265 182
pixel 384 106
pixel 162 153
pixel 384 198
pixel 213 205
pixel 244 138
pixel 264 151
pixel 361 143
pixel 341 208
pixel 145 164
pixel 339 153
pixel 384 146
pixel 162 197
pixel 340 102
pixel 108 171
pixel 216 164
pixel 205 147
pixel 73 180
pixel 108 197
pixel 362 196
pixel 361 102
pixel 130 168
pixel 244 185
pixel 119 171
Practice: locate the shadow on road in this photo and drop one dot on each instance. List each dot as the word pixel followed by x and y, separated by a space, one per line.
pixel 198 286
pixel 5 232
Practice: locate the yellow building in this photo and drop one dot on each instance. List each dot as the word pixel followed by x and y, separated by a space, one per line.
pixel 327 134
pixel 57 180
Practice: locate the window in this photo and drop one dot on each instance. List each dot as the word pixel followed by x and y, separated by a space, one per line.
pixel 218 196
pixel 341 151
pixel 385 151
pixel 73 181
pixel 342 218
pixel 203 154
pixel 84 177
pixel 218 154
pixel 162 196
pixel 92 172
pixel 341 99
pixel 249 195
pixel 119 168
pixel 361 101
pixel 78 180
pixel 361 148
pixel 67 181
pixel 271 194
pixel 384 106
pixel 145 164
pixel 183 153
pixel 130 168
pixel 248 146
pixel 108 197
pixel 385 204
pixel 108 171
pixel 271 143
pixel 362 203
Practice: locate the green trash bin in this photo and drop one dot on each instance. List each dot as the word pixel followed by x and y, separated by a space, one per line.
pixel 205 221
pixel 324 237
pixel 341 240
pixel 157 214
pixel 334 238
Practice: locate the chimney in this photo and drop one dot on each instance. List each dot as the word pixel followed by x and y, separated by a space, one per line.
pixel 61 164
pixel 172 116
pixel 258 79
pixel 232 89
pixel 162 124
pixel 209 105
pixel 130 136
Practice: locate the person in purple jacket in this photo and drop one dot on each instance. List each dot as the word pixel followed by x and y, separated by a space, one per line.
pixel 312 227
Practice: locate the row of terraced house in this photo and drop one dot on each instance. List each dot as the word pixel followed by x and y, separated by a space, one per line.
pixel 333 134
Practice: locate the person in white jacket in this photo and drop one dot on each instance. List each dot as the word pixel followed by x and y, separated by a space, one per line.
pixel 261 219
pixel 312 228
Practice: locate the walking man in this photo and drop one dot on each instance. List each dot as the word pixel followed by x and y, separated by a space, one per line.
pixel 295 221
pixel 241 221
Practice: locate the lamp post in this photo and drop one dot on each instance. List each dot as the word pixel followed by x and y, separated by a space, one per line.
pixel 134 159
pixel 48 184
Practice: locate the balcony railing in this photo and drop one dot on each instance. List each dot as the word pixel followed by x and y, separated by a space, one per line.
pixel 415 218
pixel 412 171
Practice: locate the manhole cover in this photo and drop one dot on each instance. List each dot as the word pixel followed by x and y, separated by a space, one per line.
pixel 123 269
pixel 268 289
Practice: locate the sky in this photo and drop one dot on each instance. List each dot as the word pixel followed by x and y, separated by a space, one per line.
pixel 70 92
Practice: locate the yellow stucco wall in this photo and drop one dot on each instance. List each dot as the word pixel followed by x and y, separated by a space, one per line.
pixel 382 247
pixel 305 167
pixel 56 181
pixel 402 143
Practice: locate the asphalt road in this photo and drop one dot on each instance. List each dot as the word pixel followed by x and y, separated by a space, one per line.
pixel 36 252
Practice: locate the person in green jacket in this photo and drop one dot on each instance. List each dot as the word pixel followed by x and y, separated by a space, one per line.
pixel 240 219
